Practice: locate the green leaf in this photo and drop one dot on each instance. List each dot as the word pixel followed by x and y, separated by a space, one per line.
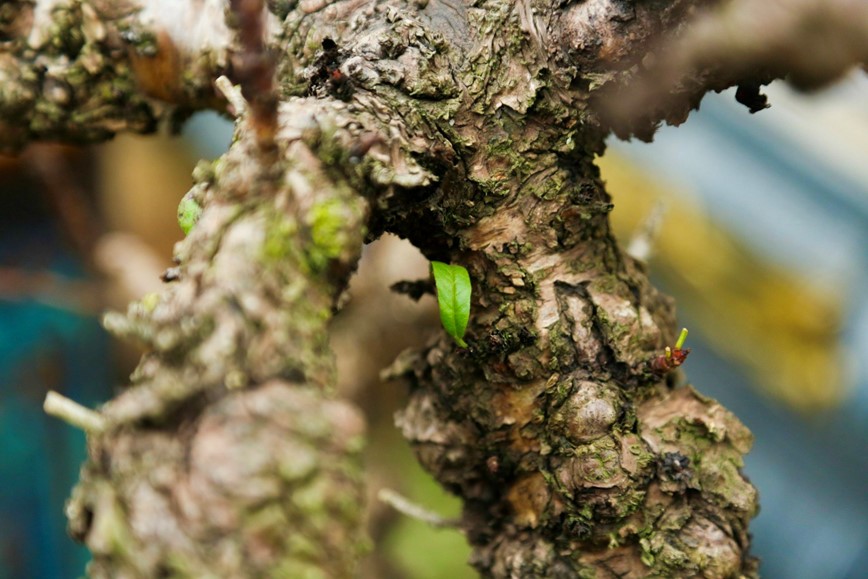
pixel 453 297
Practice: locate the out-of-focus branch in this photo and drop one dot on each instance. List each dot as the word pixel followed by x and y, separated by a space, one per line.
pixel 51 289
pixel 740 43
pixel 253 68
pixel 67 197
pixel 238 366
pixel 130 266
pixel 809 43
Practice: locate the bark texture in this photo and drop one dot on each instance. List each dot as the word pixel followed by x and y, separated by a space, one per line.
pixel 83 71
pixel 471 129
pixel 227 457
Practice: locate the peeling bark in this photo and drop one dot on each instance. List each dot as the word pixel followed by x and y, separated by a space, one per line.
pixel 470 129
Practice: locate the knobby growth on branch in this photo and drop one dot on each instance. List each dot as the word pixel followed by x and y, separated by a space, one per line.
pixel 469 128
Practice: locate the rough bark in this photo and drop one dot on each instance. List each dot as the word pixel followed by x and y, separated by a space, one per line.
pixel 471 129
pixel 83 71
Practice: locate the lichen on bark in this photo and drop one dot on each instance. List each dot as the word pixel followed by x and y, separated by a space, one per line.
pixel 228 454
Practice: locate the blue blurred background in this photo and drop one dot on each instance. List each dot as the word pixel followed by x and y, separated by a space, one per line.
pixel 49 339
pixel 763 243
pixel 786 190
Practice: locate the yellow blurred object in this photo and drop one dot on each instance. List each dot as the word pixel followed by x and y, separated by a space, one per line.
pixel 766 318
pixel 141 181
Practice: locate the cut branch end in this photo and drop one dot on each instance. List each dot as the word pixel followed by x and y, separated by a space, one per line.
pixel 73 413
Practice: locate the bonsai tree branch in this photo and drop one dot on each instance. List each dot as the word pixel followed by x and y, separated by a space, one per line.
pixel 82 70
pixel 228 440
pixel 471 129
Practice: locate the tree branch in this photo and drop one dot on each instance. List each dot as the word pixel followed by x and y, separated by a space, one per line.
pixel 228 441
pixel 737 43
pixel 471 129
pixel 81 71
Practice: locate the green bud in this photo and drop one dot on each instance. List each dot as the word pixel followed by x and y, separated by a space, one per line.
pixel 188 213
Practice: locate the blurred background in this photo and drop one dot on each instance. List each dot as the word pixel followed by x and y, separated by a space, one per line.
pixel 761 236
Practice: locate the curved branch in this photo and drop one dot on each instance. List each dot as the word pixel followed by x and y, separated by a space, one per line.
pixel 738 43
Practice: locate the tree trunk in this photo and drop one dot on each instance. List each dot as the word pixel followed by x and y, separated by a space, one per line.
pixel 469 128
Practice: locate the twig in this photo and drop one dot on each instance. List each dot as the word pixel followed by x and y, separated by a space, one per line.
pixel 232 94
pixel 406 507
pixel 254 70
pixel 73 413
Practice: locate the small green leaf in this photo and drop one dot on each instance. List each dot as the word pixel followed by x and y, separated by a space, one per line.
pixel 453 297
pixel 188 213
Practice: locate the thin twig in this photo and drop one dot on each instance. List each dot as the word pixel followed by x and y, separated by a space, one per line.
pixel 406 507
pixel 73 413
pixel 233 95
pixel 254 69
